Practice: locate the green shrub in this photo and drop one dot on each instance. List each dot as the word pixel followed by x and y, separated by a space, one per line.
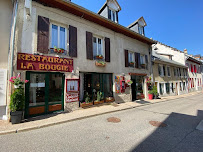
pixel 155 90
pixel 150 91
pixel 17 101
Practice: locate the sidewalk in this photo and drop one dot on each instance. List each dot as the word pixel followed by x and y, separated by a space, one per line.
pixel 53 119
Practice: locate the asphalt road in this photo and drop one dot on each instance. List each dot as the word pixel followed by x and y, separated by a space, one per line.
pixel 133 133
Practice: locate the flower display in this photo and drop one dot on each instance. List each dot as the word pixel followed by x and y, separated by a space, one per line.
pixel 129 82
pixel 18 81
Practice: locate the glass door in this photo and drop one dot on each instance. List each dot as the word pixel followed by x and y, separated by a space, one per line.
pixel 44 93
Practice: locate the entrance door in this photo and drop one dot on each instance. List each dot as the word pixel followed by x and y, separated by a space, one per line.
pixel 133 87
pixel 44 93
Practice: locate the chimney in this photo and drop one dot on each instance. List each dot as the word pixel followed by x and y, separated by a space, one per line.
pixel 185 51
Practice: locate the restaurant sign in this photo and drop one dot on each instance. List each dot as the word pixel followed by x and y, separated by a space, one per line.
pixel 43 63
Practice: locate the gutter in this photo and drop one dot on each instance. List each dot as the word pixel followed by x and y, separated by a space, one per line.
pixel 13 35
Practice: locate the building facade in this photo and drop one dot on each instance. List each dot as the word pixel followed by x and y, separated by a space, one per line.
pixel 72 56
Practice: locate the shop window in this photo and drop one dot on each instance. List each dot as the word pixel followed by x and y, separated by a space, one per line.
pixel 169 71
pixel 167 87
pixel 131 59
pixel 58 38
pixel 97 46
pixel 180 86
pixel 161 88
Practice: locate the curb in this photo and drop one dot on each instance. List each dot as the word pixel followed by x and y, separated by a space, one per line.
pixel 80 118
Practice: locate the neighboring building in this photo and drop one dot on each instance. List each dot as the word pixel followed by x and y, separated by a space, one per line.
pixel 194 73
pixel 6 9
pixel 169 76
pixel 66 51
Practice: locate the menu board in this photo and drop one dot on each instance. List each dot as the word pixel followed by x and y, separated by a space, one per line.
pixel 72 90
pixel 3 81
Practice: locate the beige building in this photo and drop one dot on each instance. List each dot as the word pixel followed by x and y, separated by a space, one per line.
pixel 170 77
pixel 72 56
pixel 6 9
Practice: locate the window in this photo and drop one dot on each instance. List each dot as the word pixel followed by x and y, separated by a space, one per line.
pixel 161 87
pixel 172 88
pixel 184 86
pixel 113 15
pixel 169 71
pixel 58 37
pixel 161 71
pixel 180 86
pixel 167 87
pixel 142 61
pixel 192 68
pixel 164 70
pixel 180 72
pixel 131 59
pixel 175 71
pixel 97 46
pixel 195 70
pixel 141 30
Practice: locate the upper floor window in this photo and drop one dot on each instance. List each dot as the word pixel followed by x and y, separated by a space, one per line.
pixel 113 15
pixel 175 71
pixel 169 71
pixel 142 61
pixel 131 59
pixel 192 68
pixel 141 30
pixel 97 46
pixel 58 37
pixel 161 70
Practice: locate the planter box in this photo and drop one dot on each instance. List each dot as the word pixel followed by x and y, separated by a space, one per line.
pixel 98 102
pixel 86 104
pixel 99 57
pixel 109 99
pixel 100 64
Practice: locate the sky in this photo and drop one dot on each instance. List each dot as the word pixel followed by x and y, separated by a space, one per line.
pixel 177 23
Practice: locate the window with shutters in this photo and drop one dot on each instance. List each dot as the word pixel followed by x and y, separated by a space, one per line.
pixel 131 59
pixel 142 61
pixel 98 47
pixel 58 39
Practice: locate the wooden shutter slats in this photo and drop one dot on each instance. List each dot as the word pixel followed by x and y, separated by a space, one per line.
pixel 43 35
pixel 89 45
pixel 146 60
pixel 126 58
pixel 107 50
pixel 72 41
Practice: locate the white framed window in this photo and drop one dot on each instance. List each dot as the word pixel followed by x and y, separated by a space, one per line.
pixel 98 46
pixel 131 59
pixel 169 71
pixel 58 36
pixel 113 15
pixel 161 70
pixel 141 30
pixel 142 59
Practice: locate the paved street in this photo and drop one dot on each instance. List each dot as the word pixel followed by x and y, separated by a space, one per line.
pixel 133 133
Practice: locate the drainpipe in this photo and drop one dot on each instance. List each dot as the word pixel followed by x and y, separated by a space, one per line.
pixel 13 36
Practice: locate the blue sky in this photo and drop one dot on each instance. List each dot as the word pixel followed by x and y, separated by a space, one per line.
pixel 178 23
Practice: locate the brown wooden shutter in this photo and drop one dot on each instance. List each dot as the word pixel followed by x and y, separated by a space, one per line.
pixel 107 49
pixel 126 58
pixel 43 35
pixel 89 46
pixel 146 61
pixel 136 60
pixel 72 41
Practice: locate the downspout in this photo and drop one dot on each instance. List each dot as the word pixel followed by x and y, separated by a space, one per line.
pixel 13 36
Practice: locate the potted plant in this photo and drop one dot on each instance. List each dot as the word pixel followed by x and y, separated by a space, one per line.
pixel 100 63
pixel 131 63
pixel 100 98
pixel 150 94
pixel 99 57
pixel 17 101
pixel 129 82
pixel 87 101
pixel 155 92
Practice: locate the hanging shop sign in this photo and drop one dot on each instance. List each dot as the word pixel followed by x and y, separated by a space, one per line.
pixel 43 63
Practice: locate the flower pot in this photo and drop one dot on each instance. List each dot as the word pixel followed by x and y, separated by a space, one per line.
pixel 98 102
pixel 86 104
pixel 16 117
pixel 150 96
pixel 100 64
pixel 99 57
pixel 16 86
